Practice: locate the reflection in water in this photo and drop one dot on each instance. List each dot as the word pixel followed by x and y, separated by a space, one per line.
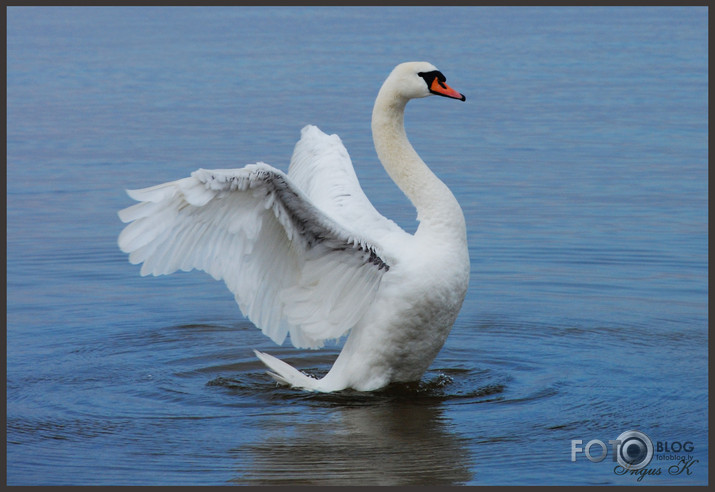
pixel 393 443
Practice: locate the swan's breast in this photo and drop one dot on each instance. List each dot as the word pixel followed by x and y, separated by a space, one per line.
pixel 418 303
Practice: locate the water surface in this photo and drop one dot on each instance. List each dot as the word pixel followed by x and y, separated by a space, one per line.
pixel 579 158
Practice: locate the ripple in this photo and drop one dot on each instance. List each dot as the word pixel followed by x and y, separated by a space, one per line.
pixel 24 429
pixel 440 386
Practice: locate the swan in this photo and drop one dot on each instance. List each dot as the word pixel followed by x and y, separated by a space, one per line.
pixel 306 254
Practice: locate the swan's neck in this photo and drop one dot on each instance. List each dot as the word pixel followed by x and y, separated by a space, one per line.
pixel 435 203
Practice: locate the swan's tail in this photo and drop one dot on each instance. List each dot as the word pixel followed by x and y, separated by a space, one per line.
pixel 287 374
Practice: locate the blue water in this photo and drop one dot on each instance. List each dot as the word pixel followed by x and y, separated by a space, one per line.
pixel 579 158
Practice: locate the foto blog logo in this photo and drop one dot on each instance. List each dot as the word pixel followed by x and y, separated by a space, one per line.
pixel 632 450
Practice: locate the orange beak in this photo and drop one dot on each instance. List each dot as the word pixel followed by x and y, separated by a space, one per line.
pixel 442 89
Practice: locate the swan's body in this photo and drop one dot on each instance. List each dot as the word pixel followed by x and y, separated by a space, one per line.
pixel 307 254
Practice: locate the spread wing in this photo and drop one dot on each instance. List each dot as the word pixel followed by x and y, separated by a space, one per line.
pixel 292 268
pixel 321 167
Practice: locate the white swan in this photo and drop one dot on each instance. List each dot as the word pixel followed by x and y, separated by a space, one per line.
pixel 307 254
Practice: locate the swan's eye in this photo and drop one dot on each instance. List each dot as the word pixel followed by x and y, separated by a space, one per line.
pixel 430 77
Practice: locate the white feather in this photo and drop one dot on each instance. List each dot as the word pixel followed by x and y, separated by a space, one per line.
pixel 322 168
pixel 289 264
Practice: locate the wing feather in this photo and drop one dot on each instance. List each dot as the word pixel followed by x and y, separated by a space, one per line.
pixel 322 168
pixel 291 267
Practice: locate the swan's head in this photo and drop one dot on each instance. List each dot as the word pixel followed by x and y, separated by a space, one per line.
pixel 420 79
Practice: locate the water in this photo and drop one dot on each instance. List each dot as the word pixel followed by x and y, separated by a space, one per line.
pixel 579 157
